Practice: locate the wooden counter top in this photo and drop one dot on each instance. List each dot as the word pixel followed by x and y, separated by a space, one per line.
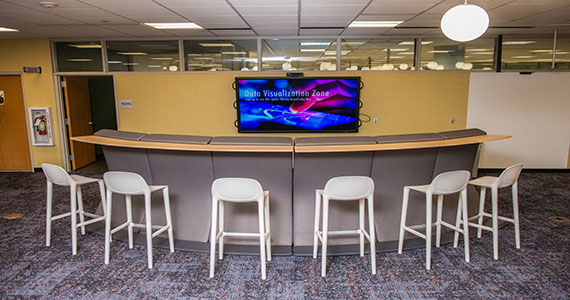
pixel 99 140
pixel 105 141
pixel 401 146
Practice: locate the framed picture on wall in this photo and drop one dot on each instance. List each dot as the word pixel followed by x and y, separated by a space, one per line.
pixel 40 126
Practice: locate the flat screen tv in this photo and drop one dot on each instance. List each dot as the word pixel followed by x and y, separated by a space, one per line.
pixel 299 104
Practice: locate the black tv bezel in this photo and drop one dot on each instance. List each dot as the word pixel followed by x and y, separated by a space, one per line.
pixel 356 117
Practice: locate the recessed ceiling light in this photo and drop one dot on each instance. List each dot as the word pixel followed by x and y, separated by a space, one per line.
pixel 161 58
pixel 313 50
pixel 216 44
pixel 375 23
pixel 518 42
pixel 5 29
pixel 86 46
pixel 48 4
pixel 478 50
pixel 315 43
pixel 132 53
pixel 115 62
pixel 187 25
pixel 234 52
pixel 411 43
pixel 406 53
pixel 440 51
pixel 395 49
pixel 79 59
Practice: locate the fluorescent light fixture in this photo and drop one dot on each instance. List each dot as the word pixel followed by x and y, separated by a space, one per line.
pixel 332 52
pixel 313 50
pixel 79 59
pixel 397 57
pixel 541 51
pixel 115 62
pixel 216 44
pixel 187 25
pixel 234 52
pixel 194 54
pixel 132 53
pixel 130 64
pixel 275 58
pixel 315 43
pixel 354 43
pixel 406 53
pixel 86 46
pixel 154 66
pixel 396 49
pixel 523 56
pixel 161 58
pixel 411 43
pixel 482 53
pixel 6 29
pixel 478 50
pixel 372 24
pixel 440 51
pixel 518 42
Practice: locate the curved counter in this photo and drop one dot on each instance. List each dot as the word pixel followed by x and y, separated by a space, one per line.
pixel 189 164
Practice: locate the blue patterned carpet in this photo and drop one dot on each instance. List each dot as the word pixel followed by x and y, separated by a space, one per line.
pixel 29 270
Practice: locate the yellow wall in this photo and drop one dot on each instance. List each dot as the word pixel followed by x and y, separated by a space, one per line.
pixel 38 88
pixel 201 103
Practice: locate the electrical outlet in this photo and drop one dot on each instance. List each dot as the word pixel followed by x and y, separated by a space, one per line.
pixel 375 121
pixel 452 121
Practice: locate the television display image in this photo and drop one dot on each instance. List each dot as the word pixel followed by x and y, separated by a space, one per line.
pixel 305 104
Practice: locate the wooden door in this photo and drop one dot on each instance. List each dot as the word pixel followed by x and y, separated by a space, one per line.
pixel 14 143
pixel 78 110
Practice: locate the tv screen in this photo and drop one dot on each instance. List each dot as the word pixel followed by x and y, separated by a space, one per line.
pixel 302 104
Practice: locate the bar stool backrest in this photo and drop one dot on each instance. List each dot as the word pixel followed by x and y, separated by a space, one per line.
pixel 449 182
pixel 237 189
pixel 126 183
pixel 56 174
pixel 349 187
pixel 509 176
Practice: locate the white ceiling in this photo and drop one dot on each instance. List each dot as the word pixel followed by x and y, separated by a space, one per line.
pixel 88 19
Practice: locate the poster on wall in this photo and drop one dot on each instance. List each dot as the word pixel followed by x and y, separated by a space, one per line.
pixel 40 118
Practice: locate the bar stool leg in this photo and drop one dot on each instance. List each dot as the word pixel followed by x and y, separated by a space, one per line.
pixel 438 220
pixel 213 235
pixel 465 223
pixel 48 212
pixel 73 219
pixel 267 227
pixel 318 197
pixel 325 236
pixel 102 192
pixel 372 233
pixel 495 214
pixel 516 215
pixel 458 221
pixel 108 226
pixel 221 224
pixel 129 204
pixel 80 206
pixel 166 197
pixel 361 225
pixel 481 211
pixel 403 219
pixel 428 230
pixel 148 217
pixel 261 212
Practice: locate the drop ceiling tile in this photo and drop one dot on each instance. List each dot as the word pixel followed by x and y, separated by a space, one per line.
pixel 326 18
pixel 267 10
pixel 364 31
pixel 320 32
pixel 62 4
pixel 36 17
pixel 230 33
pixel 396 9
pixel 137 30
pixel 334 2
pixel 97 31
pixel 384 17
pixel 271 19
pixel 310 23
pixel 331 9
pixel 206 11
pixel 237 3
pixel 277 31
pixel 191 3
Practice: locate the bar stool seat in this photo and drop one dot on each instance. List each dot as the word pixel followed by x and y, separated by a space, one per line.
pixel 58 176
pixel 345 188
pixel 130 184
pixel 443 184
pixel 239 190
pixel 508 178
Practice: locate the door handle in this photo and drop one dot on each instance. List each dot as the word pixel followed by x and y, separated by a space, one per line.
pixel 90 123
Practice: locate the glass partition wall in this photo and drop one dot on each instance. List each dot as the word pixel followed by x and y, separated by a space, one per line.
pixel 517 53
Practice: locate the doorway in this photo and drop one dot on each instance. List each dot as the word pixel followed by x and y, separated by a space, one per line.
pixel 14 142
pixel 89 104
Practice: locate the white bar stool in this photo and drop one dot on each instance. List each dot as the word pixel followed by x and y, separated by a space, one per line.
pixel 345 188
pixel 129 184
pixel 509 177
pixel 239 190
pixel 57 175
pixel 443 184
